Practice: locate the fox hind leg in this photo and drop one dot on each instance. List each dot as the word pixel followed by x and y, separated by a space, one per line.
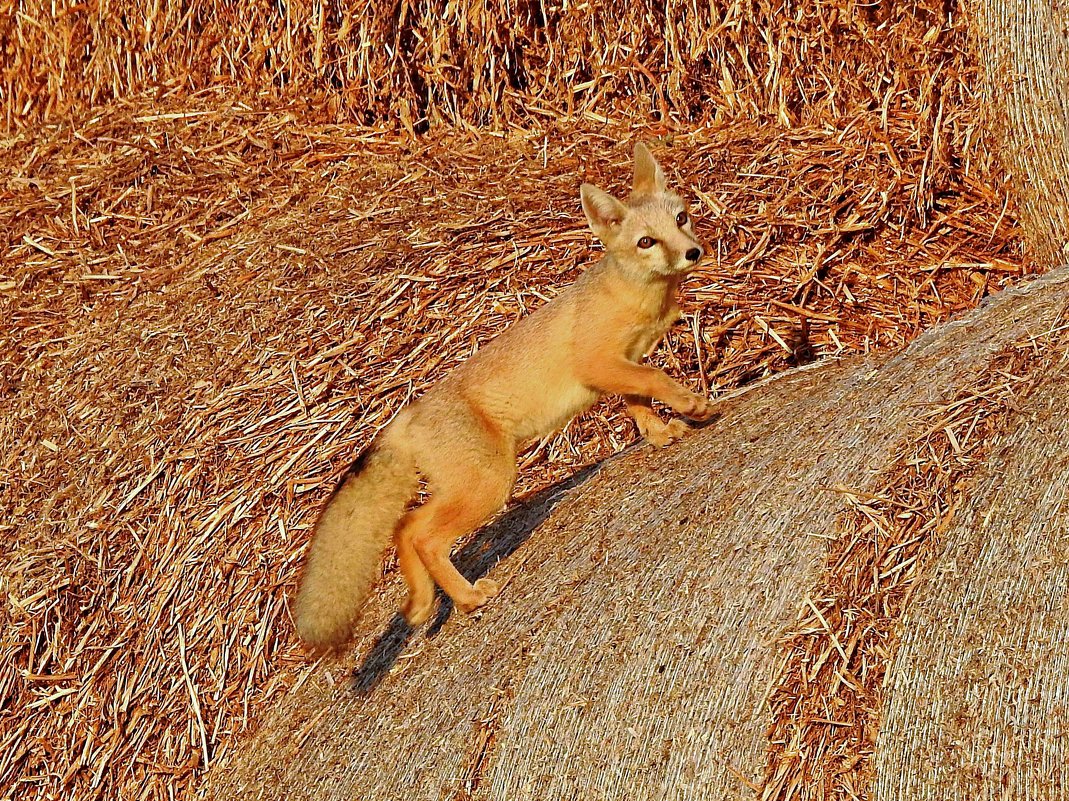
pixel 418 607
pixel 465 500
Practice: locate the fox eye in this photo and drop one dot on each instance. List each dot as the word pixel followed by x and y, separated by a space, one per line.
pixel 681 219
pixel 646 242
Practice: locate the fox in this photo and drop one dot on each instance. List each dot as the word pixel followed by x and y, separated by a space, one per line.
pixel 462 436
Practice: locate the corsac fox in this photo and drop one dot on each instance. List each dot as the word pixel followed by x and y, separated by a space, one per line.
pixel 462 436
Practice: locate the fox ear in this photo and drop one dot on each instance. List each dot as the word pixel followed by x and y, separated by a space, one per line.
pixel 602 210
pixel 649 177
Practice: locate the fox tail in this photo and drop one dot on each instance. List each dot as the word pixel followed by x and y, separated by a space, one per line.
pixel 353 530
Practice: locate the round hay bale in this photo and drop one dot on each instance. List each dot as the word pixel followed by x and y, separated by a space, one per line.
pixel 976 696
pixel 633 647
pixel 1022 45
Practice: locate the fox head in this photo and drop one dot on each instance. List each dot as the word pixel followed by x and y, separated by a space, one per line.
pixel 652 232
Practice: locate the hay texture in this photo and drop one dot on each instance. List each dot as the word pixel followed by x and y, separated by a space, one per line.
pixel 1025 63
pixel 975 689
pixel 490 62
pixel 227 260
pixel 211 310
pixel 976 683
pixel 828 699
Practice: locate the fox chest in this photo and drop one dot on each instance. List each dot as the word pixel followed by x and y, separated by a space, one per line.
pixel 645 336
pixel 556 401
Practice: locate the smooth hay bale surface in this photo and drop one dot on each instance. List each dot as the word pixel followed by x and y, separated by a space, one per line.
pixel 1024 51
pixel 977 687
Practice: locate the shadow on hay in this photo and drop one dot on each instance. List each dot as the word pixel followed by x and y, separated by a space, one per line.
pixel 491 544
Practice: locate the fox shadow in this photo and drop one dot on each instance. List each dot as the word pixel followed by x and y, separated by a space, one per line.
pixel 491 544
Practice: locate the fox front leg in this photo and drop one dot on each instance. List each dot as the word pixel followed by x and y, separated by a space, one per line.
pixel 624 377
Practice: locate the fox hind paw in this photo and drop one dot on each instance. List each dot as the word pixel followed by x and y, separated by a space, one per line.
pixel 483 590
pixel 417 615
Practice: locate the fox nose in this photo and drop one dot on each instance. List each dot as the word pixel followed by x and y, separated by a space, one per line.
pixel 694 254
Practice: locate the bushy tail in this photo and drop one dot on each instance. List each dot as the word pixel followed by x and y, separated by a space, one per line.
pixel 352 532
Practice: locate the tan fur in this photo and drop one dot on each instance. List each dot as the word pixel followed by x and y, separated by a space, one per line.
pixel 355 527
pixel 462 436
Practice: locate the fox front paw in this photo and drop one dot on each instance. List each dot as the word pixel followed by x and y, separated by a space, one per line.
pixel 665 433
pixel 482 591
pixel 697 407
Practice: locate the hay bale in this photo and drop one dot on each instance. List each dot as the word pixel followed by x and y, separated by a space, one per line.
pixel 976 685
pixel 471 62
pixel 1025 68
pixel 632 650
pixel 978 680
